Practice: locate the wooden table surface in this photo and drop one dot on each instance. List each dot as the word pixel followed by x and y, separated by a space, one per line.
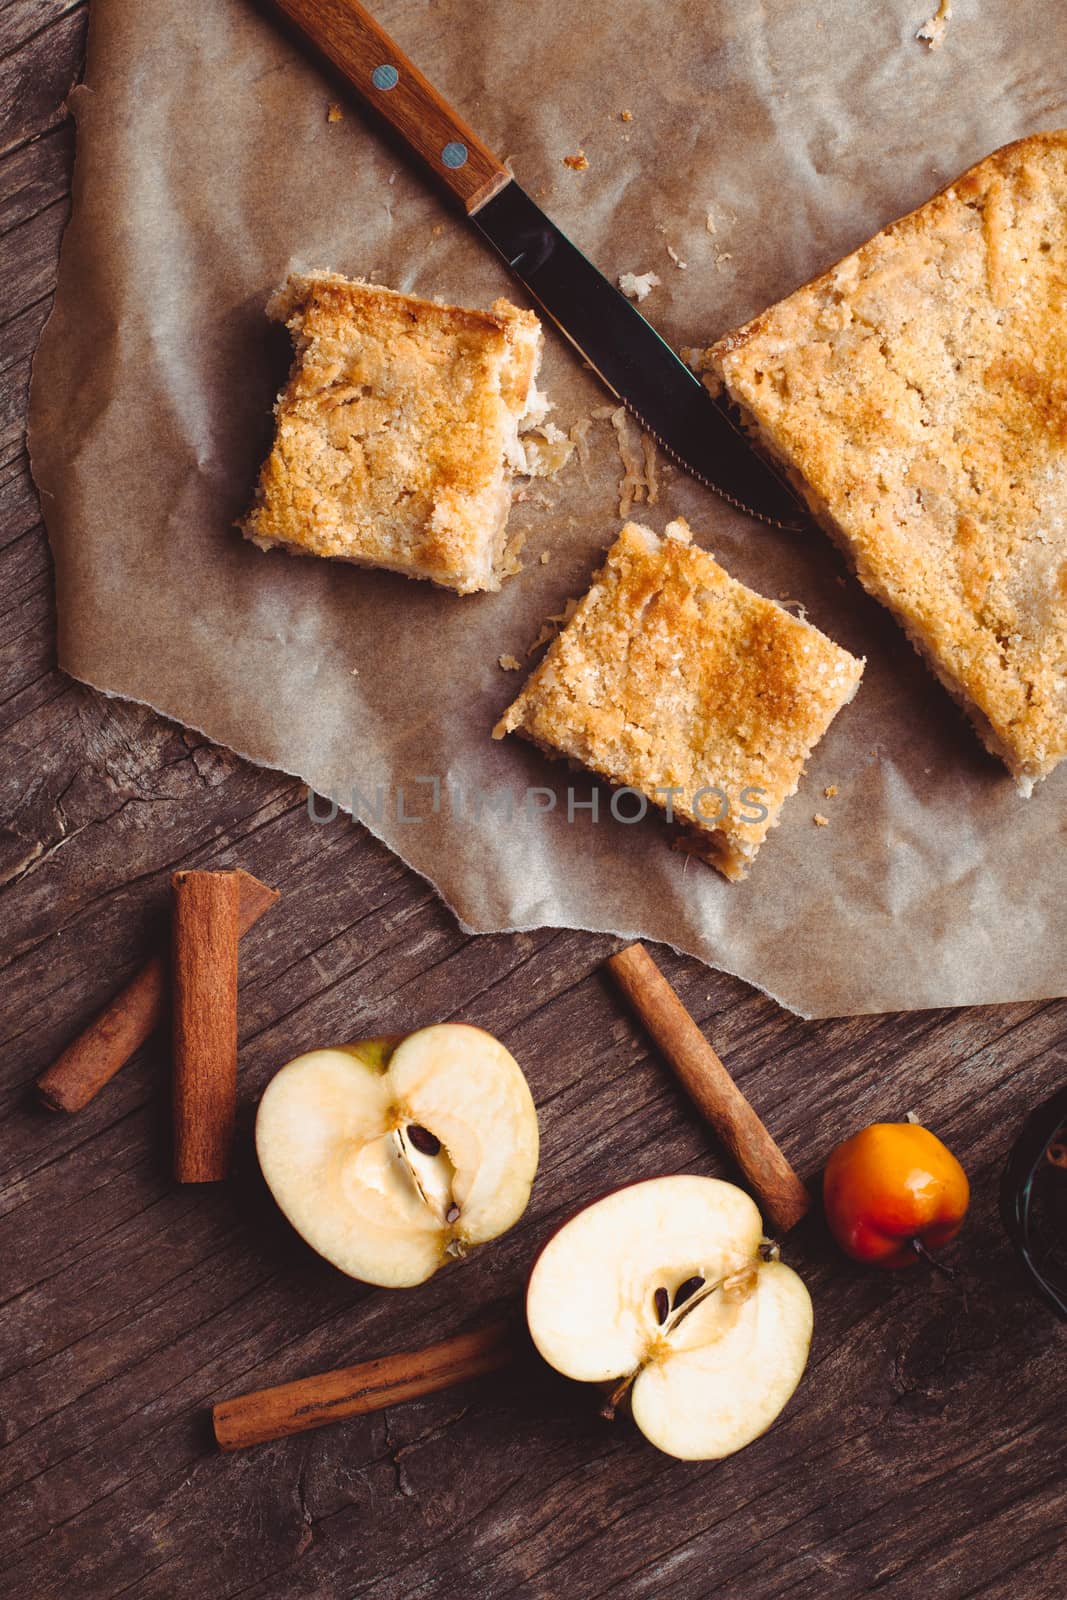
pixel 923 1455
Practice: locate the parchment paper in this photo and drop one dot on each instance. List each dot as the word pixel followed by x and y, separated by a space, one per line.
pixel 207 169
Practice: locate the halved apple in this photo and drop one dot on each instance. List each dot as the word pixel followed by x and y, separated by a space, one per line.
pixel 670 1288
pixel 393 1155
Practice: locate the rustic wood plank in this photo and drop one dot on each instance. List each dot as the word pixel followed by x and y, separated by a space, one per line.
pixel 38 69
pixel 28 255
pixel 37 175
pixel 20 512
pixel 21 19
pixel 862 1331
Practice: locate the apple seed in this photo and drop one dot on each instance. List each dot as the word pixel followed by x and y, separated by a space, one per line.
pixel 428 1184
pixel 682 1293
pixel 423 1140
pixel 694 1297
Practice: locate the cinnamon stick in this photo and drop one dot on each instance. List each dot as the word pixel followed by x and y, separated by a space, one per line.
pixel 127 1021
pixel 204 965
pixel 706 1080
pixel 353 1391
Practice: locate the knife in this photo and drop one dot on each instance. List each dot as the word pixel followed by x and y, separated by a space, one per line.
pixel 620 345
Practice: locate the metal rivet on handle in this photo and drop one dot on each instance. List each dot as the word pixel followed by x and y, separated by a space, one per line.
pixel 385 77
pixel 454 154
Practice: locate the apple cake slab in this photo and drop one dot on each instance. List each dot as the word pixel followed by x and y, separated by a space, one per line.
pixel 916 396
pixel 677 682
pixel 397 435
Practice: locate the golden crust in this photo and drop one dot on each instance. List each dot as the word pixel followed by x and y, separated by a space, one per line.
pixel 670 673
pixel 396 435
pixel 917 395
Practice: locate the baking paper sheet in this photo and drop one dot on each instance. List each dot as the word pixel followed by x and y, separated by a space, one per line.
pixel 765 140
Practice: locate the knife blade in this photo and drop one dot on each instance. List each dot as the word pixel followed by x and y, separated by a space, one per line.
pixel 637 365
pixel 621 346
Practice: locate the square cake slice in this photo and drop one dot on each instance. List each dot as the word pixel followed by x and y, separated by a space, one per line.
pixel 397 435
pixel 675 681
pixel 916 395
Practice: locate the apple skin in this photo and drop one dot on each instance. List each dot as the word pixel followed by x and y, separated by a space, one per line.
pixel 375 1052
pixel 890 1184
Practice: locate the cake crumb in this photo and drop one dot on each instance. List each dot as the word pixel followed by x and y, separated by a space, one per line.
pixel 547 450
pixel 545 633
pixel 546 557
pixel 648 450
pixel 830 791
pixel 510 563
pixel 334 113
pixel 932 32
pixel 709 222
pixel 577 163
pixel 676 258
pixel 551 626
pixel 721 258
pixel 638 482
pixel 510 663
pixel 820 821
pixel 579 437
pixel 626 116
pixel 636 285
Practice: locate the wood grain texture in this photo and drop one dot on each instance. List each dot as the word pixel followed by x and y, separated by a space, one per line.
pixel 924 1453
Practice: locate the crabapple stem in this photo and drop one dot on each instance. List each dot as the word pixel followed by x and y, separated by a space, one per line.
pixel 921 1250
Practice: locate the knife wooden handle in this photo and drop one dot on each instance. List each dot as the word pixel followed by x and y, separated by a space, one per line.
pixel 349 37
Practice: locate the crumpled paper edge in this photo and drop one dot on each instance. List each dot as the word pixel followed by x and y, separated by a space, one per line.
pixel 469 928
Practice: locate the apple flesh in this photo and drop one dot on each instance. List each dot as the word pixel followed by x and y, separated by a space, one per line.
pixel 395 1155
pixel 668 1290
